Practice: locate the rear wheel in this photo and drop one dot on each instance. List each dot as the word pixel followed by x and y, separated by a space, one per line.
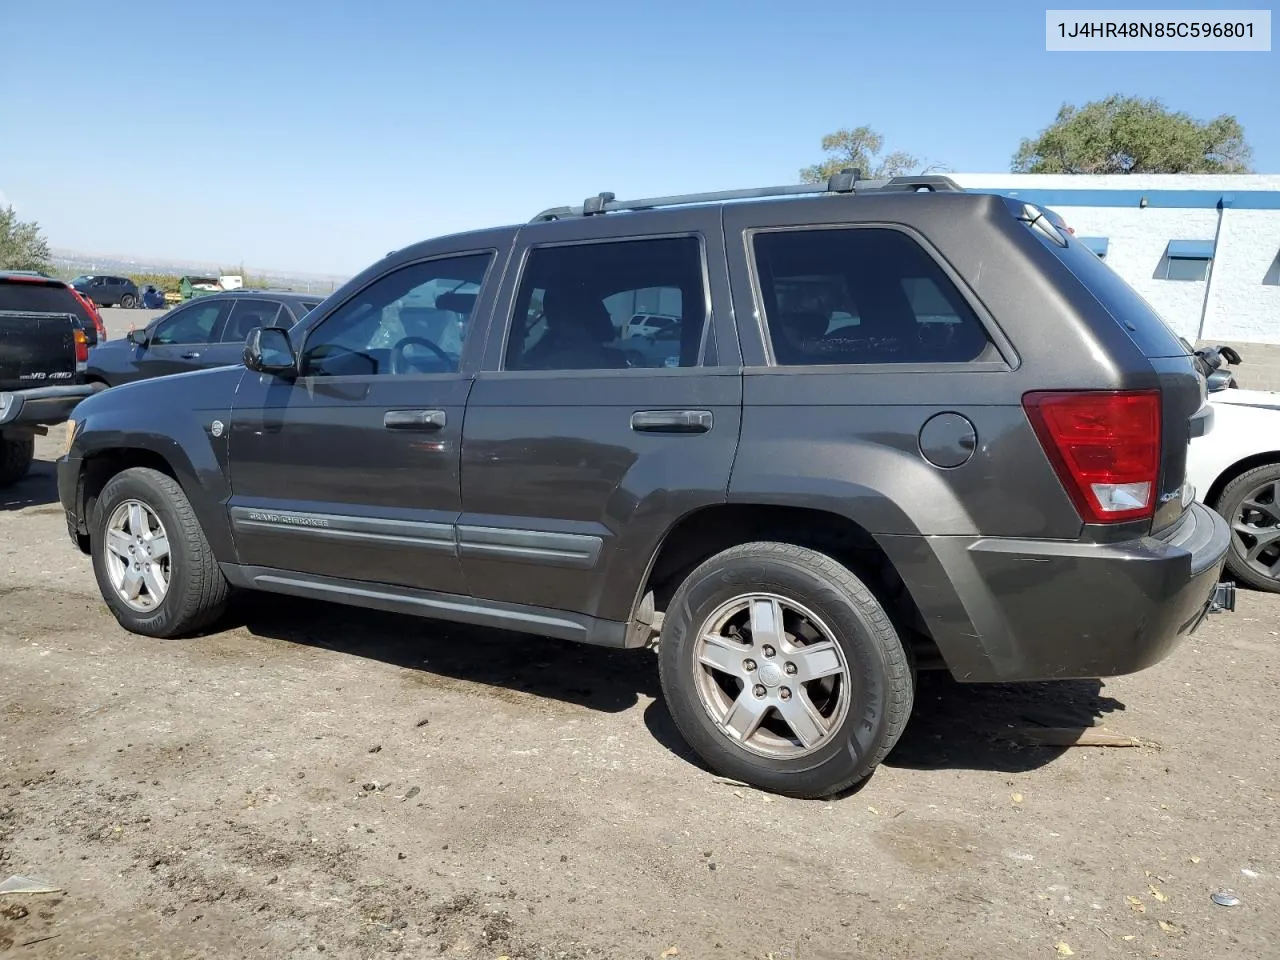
pixel 16 454
pixel 782 670
pixel 128 301
pixel 1251 504
pixel 154 566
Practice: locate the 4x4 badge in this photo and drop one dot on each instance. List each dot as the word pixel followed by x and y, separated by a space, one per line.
pixel 216 428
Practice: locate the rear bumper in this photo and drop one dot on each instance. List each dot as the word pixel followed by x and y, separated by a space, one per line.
pixel 41 406
pixel 1022 610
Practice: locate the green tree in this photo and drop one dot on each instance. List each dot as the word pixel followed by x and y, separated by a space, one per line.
pixel 21 245
pixel 859 148
pixel 1133 135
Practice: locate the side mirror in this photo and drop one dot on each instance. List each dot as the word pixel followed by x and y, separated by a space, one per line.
pixel 1218 381
pixel 269 350
pixel 137 337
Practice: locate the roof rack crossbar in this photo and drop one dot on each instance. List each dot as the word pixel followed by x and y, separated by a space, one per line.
pixel 846 181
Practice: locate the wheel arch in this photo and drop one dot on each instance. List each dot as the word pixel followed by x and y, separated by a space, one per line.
pixel 708 530
pixel 98 466
pixel 1236 469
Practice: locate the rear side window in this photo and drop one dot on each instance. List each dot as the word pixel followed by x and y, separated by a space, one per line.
pixel 862 295
pixel 575 301
pixel 1145 327
pixel 247 314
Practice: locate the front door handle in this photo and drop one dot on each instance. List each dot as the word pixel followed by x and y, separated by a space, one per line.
pixel 671 421
pixel 414 419
pixel 194 355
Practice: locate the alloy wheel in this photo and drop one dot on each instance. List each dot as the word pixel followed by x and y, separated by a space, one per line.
pixel 136 551
pixel 771 675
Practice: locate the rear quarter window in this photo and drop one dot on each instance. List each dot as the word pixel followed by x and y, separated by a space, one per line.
pixel 1145 326
pixel 862 295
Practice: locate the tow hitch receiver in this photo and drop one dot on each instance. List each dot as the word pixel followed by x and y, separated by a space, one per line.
pixel 1224 598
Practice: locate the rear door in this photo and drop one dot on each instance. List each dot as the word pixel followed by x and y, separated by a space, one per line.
pixel 575 464
pixel 246 314
pixel 181 340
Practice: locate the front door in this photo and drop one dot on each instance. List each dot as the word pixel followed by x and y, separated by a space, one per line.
pixel 180 340
pixel 582 446
pixel 350 470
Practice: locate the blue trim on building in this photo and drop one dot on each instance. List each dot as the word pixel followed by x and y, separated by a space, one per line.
pixel 1190 249
pixel 1097 244
pixel 1168 199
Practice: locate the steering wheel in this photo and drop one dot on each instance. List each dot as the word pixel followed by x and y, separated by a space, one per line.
pixel 402 364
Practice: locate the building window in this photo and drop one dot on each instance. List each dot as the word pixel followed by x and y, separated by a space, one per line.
pixel 1187 260
pixel 1186 268
pixel 1096 244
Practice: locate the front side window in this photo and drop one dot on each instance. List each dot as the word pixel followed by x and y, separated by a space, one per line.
pixel 413 320
pixel 194 324
pixel 574 303
pixel 859 296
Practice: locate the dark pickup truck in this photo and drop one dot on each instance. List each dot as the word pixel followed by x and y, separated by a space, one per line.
pixel 44 349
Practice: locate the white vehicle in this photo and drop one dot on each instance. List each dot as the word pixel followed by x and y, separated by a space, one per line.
pixel 648 324
pixel 1235 469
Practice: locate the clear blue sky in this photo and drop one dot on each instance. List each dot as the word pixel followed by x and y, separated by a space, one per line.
pixel 318 135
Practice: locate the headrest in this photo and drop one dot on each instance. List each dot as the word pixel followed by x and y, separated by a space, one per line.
pixel 462 303
pixel 573 310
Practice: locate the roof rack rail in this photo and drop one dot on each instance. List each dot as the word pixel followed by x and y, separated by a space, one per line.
pixel 846 181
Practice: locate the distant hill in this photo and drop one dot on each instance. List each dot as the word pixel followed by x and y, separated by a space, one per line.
pixel 76 262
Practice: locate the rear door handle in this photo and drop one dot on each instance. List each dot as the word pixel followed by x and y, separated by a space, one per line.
pixel 194 355
pixel 671 421
pixel 414 419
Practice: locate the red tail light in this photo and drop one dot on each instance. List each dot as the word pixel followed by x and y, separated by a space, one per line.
pixel 1105 447
pixel 82 347
pixel 92 310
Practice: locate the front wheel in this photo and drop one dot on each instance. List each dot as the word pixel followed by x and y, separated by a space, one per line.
pixel 128 301
pixel 782 670
pixel 1251 504
pixel 154 566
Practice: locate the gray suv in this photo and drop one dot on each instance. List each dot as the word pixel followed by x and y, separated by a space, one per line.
pixel 905 427
pixel 208 331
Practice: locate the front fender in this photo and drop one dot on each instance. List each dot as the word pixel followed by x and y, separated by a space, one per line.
pixel 172 418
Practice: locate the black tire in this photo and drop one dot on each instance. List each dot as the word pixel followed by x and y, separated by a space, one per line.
pixel 1229 504
pixel 128 301
pixel 882 677
pixel 16 454
pixel 197 592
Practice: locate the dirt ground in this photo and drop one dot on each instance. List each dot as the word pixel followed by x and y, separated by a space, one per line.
pixel 313 780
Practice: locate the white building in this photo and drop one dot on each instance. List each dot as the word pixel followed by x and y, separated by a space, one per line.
pixel 1203 250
